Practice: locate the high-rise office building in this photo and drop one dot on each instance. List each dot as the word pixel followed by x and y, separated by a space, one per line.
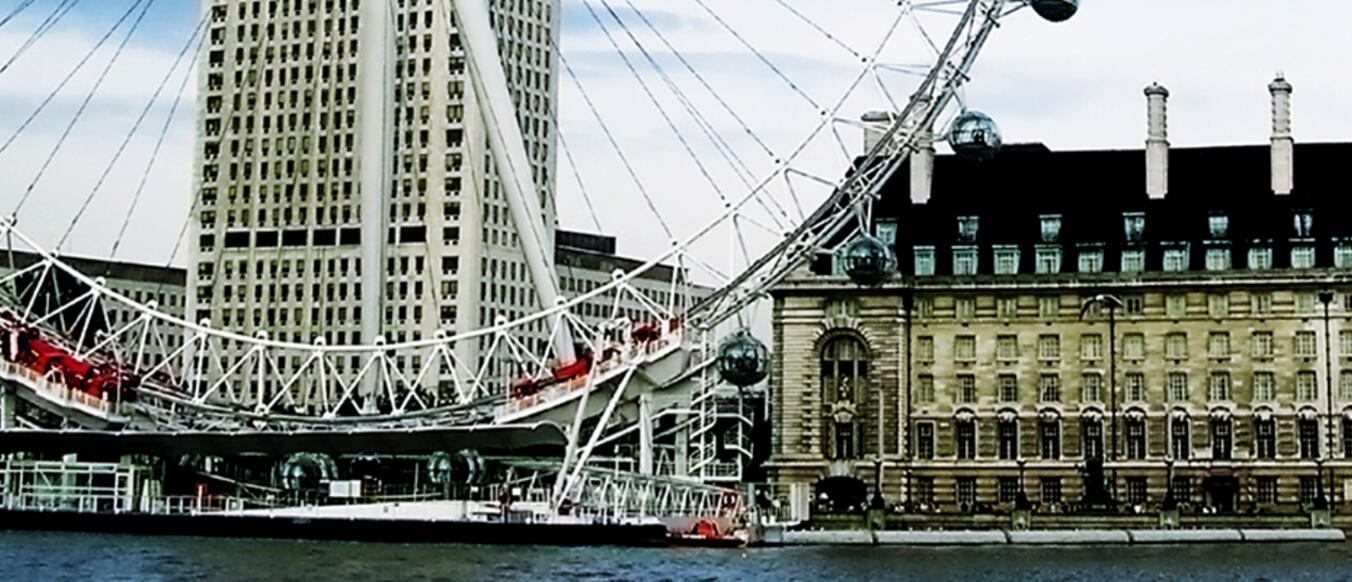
pixel 344 185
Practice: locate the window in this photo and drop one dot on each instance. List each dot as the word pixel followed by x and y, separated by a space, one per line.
pixel 1007 306
pixel 1091 260
pixel 1136 490
pixel 1182 488
pixel 1219 386
pixel 1008 387
pixel 1260 303
pixel 1050 388
pixel 1091 346
pixel 923 491
pixel 1048 259
pixel 1309 489
pixel 966 389
pixel 1264 386
pixel 1260 258
pixel 1133 346
pixel 844 440
pixel 964 435
pixel 1342 255
pixel 1008 433
pixel 1049 347
pixel 1345 342
pixel 964 347
pixel 1007 347
pixel 1267 490
pixel 1091 387
pixel 1175 305
pixel 964 261
pixel 1345 385
pixel 1007 260
pixel 1135 429
pixel 1048 306
pixel 1133 384
pixel 1305 344
pixel 1218 258
pixel 843 369
pixel 924 261
pixel 924 389
pixel 924 440
pixel 1265 438
pixel 1307 432
pixel 1347 438
pixel 964 308
pixel 1218 344
pixel 1051 490
pixel 1305 303
pixel 1133 260
pixel 1133 304
pixel 924 307
pixel 1176 345
pixel 966 493
pixel 1218 305
pixel 1178 386
pixel 1262 344
pixel 1051 227
pixel 967 228
pixel 1176 258
pixel 1178 438
pixel 1009 490
pixel 1302 257
pixel 1305 389
pixel 1133 226
pixel 1222 439
pixel 1093 439
pixel 924 348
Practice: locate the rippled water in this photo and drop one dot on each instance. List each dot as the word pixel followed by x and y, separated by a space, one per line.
pixel 68 556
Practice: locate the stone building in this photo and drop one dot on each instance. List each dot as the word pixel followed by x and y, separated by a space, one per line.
pixel 1181 319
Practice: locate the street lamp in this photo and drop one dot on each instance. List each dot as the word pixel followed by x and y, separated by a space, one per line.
pixel 1112 303
pixel 1326 297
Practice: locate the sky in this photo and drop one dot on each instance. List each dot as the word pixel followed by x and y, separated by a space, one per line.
pixel 1072 85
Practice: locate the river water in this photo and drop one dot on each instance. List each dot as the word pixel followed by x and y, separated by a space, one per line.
pixel 51 557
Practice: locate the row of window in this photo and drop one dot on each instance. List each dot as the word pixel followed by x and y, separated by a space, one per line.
pixel 1048 259
pixel 1262 344
pixel 1220 386
pixel 1176 305
pixel 1135 439
pixel 1049 491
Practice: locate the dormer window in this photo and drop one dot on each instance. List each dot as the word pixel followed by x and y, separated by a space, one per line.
pixel 967 227
pixel 1304 223
pixel 1219 226
pixel 1133 226
pixel 1051 228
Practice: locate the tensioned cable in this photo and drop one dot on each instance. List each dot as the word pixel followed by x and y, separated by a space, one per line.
pixel 87 99
pixel 718 97
pixel 818 28
pixel 586 98
pixel 52 19
pixel 572 165
pixel 131 134
pixel 15 12
pixel 758 54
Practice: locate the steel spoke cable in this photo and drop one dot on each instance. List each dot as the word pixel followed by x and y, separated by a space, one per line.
pixel 818 28
pixel 52 19
pixel 85 104
pixel 610 136
pixel 15 12
pixel 132 133
pixel 572 165
pixel 779 73
pixel 716 95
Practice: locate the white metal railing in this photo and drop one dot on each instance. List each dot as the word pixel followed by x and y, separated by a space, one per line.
pixel 59 393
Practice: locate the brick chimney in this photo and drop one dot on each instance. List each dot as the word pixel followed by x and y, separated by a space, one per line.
pixel 1157 141
pixel 1283 144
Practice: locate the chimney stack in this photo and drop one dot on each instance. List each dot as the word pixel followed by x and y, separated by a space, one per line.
pixel 1283 144
pixel 922 165
pixel 1157 141
pixel 876 124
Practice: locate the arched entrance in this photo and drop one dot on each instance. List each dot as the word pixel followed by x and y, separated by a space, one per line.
pixel 841 494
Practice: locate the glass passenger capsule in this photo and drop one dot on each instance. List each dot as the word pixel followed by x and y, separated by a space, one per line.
pixel 743 360
pixel 975 136
pixel 869 261
pixel 306 471
pixel 1056 10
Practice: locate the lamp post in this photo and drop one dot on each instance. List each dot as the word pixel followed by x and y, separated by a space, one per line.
pixel 1112 303
pixel 1326 297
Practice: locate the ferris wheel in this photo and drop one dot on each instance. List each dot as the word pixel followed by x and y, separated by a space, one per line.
pixel 759 192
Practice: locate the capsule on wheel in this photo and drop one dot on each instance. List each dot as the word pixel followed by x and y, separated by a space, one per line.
pixel 975 136
pixel 1056 10
pixel 743 360
pixel 868 261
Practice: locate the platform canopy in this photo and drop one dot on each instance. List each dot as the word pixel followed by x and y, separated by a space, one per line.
pixel 496 439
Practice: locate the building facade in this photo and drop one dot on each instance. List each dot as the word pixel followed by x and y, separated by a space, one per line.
pixel 344 186
pixel 1189 333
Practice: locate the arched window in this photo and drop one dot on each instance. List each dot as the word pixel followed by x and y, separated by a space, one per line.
pixel 844 367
